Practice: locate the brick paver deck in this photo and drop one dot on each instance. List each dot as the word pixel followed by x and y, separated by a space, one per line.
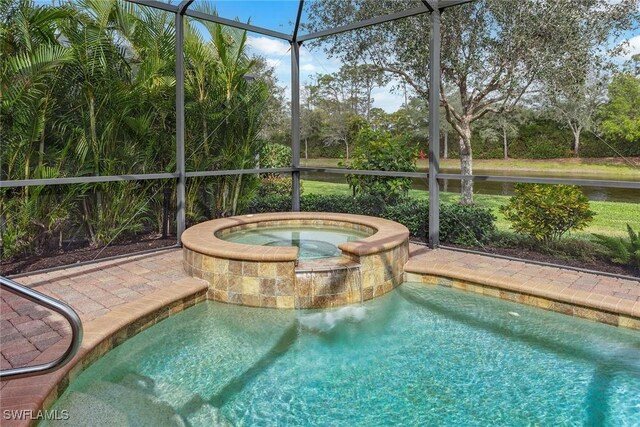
pixel 92 290
pixel 482 267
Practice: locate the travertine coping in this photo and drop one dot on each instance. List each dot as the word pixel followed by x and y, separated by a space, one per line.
pixel 100 335
pixel 203 238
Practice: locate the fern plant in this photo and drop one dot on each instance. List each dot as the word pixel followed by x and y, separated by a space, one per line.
pixel 621 250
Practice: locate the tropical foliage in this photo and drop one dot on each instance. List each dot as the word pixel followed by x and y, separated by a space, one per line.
pixel 623 251
pixel 622 112
pixel 88 89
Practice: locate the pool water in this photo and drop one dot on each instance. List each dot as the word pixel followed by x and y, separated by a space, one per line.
pixel 417 356
pixel 314 242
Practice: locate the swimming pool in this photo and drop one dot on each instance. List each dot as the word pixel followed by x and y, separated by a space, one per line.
pixel 418 355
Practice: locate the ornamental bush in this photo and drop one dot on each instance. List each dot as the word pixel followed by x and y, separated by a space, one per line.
pixel 412 213
pixel 378 150
pixel 274 156
pixel 466 224
pixel 546 212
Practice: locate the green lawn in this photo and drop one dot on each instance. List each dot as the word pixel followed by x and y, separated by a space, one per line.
pixel 602 168
pixel 611 217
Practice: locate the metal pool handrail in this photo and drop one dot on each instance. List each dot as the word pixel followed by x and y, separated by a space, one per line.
pixel 55 305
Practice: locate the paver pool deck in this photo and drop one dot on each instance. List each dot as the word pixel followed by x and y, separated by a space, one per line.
pixel 128 294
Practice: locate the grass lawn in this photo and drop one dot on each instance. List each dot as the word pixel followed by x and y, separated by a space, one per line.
pixel 587 167
pixel 611 217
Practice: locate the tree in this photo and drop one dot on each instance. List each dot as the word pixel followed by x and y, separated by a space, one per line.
pixel 621 115
pixel 502 127
pixel 360 81
pixel 342 99
pixel 575 102
pixel 378 150
pixel 493 52
pixel 310 121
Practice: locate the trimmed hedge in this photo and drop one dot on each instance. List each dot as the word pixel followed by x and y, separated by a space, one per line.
pixel 466 225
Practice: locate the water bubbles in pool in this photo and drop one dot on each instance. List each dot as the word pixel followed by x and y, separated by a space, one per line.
pixel 325 321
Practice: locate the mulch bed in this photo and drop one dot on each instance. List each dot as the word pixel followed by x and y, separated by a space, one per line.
pixel 73 256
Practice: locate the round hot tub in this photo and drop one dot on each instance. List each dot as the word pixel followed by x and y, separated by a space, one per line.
pixel 313 242
pixel 297 259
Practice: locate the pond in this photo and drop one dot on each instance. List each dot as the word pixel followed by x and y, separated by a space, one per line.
pixel 596 193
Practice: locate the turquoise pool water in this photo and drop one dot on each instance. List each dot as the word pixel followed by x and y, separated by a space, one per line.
pixel 416 356
pixel 314 242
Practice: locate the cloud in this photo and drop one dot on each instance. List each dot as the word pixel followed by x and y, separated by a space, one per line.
pixel 310 68
pixel 384 98
pixel 272 62
pixel 266 46
pixel 633 47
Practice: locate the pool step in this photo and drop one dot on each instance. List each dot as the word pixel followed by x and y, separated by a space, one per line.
pixel 109 404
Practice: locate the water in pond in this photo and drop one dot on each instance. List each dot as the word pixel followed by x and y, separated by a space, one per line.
pixel 416 356
pixel 314 242
pixel 596 193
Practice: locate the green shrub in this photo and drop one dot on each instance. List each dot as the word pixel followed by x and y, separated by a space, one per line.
pixel 412 213
pixel 377 150
pixel 623 251
pixel 578 248
pixel 466 225
pixel 547 212
pixel 275 156
pixel 270 203
pixel 274 184
pixel 509 239
pixel 359 205
pixel 574 248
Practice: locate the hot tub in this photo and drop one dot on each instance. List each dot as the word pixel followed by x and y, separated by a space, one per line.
pixel 256 260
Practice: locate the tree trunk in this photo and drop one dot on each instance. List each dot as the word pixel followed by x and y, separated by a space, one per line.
pixel 236 195
pixel 306 148
pixel 466 158
pixel 42 134
pixel 94 135
pixel 346 146
pixel 504 143
pixel 576 141
pixel 446 145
